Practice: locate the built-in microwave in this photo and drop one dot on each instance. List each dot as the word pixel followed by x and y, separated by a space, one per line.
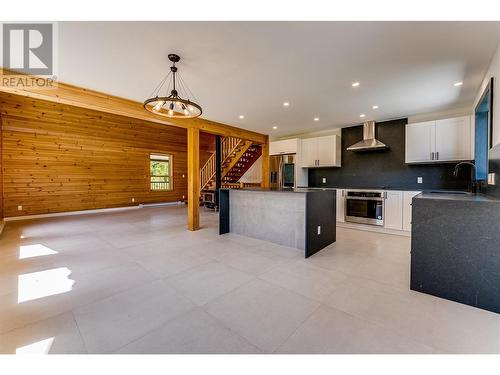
pixel 365 207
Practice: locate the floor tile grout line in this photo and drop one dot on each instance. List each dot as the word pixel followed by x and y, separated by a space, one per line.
pixel 169 320
pixel 232 330
pixel 297 328
pixel 258 279
pixel 79 331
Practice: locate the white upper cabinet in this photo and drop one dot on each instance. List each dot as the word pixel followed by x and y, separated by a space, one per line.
pixel 453 139
pixel 393 207
pixel 286 146
pixel 420 141
pixel 439 141
pixel 321 152
pixel 309 152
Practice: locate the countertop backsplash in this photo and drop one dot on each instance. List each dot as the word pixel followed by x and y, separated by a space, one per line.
pixel 386 169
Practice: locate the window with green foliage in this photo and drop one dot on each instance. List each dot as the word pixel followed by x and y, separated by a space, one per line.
pixel 160 170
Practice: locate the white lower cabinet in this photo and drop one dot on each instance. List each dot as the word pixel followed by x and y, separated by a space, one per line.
pixel 341 205
pixel 393 210
pixel 407 197
pixel 397 208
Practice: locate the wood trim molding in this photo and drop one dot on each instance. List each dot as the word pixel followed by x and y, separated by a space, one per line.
pixel 90 99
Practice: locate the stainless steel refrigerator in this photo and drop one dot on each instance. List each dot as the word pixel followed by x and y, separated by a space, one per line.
pixel 282 171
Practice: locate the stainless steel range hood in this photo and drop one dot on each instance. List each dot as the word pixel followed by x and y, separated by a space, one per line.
pixel 369 143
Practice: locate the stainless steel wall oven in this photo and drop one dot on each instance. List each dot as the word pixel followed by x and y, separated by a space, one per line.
pixel 365 207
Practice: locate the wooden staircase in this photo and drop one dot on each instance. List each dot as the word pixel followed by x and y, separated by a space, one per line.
pixel 237 156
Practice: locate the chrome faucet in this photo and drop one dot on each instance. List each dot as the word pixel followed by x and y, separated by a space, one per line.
pixel 473 181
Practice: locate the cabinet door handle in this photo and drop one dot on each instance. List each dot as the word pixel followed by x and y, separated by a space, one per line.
pixel 432 155
pixel 437 155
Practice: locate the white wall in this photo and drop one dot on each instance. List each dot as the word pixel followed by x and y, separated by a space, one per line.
pixel 319 133
pixel 493 71
pixel 456 112
pixel 254 173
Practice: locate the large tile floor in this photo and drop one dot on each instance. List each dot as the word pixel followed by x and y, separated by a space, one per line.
pixel 138 282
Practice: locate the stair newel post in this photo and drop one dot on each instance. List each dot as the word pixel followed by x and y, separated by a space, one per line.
pixel 218 168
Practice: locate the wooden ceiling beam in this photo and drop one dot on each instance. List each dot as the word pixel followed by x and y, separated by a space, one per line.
pixel 98 101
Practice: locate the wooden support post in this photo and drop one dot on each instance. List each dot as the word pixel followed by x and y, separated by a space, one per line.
pixel 193 151
pixel 265 164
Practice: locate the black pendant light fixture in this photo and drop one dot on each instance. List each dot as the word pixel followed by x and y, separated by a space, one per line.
pixel 176 102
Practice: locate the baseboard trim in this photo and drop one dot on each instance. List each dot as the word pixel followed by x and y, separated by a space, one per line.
pixel 373 228
pixel 146 205
pixel 88 212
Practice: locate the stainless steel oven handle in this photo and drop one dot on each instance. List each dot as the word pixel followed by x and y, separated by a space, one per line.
pixel 366 198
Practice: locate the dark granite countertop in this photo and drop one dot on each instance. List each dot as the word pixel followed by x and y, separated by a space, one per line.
pixel 441 191
pixel 463 197
pixel 282 190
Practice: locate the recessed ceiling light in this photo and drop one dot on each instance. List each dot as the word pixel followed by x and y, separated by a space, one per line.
pixel 355 84
pixel 362 115
pixel 458 83
pixel 375 107
pixel 275 127
pixel 241 116
pixel 316 119
pixel 286 104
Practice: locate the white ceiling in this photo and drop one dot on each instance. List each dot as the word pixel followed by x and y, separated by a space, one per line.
pixel 251 68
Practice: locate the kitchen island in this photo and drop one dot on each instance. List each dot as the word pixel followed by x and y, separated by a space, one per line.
pixel 455 252
pixel 300 218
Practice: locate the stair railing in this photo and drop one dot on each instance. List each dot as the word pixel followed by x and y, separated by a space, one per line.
pixel 228 148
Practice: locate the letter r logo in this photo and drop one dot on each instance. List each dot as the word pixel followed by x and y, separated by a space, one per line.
pixel 28 48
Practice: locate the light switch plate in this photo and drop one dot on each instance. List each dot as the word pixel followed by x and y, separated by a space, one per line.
pixel 19 208
pixel 324 180
pixel 420 180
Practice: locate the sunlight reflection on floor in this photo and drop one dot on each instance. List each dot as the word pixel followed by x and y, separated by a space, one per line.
pixel 44 283
pixel 31 251
pixel 39 347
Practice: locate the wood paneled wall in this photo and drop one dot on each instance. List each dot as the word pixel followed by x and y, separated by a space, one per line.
pixel 59 158
pixel 1 172
pixel 207 147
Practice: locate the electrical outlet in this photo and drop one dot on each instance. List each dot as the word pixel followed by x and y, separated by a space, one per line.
pixel 133 200
pixel 182 176
pixel 420 180
pixel 19 208
pixel 492 178
pixel 319 230
pixel 324 180
pixel 183 197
